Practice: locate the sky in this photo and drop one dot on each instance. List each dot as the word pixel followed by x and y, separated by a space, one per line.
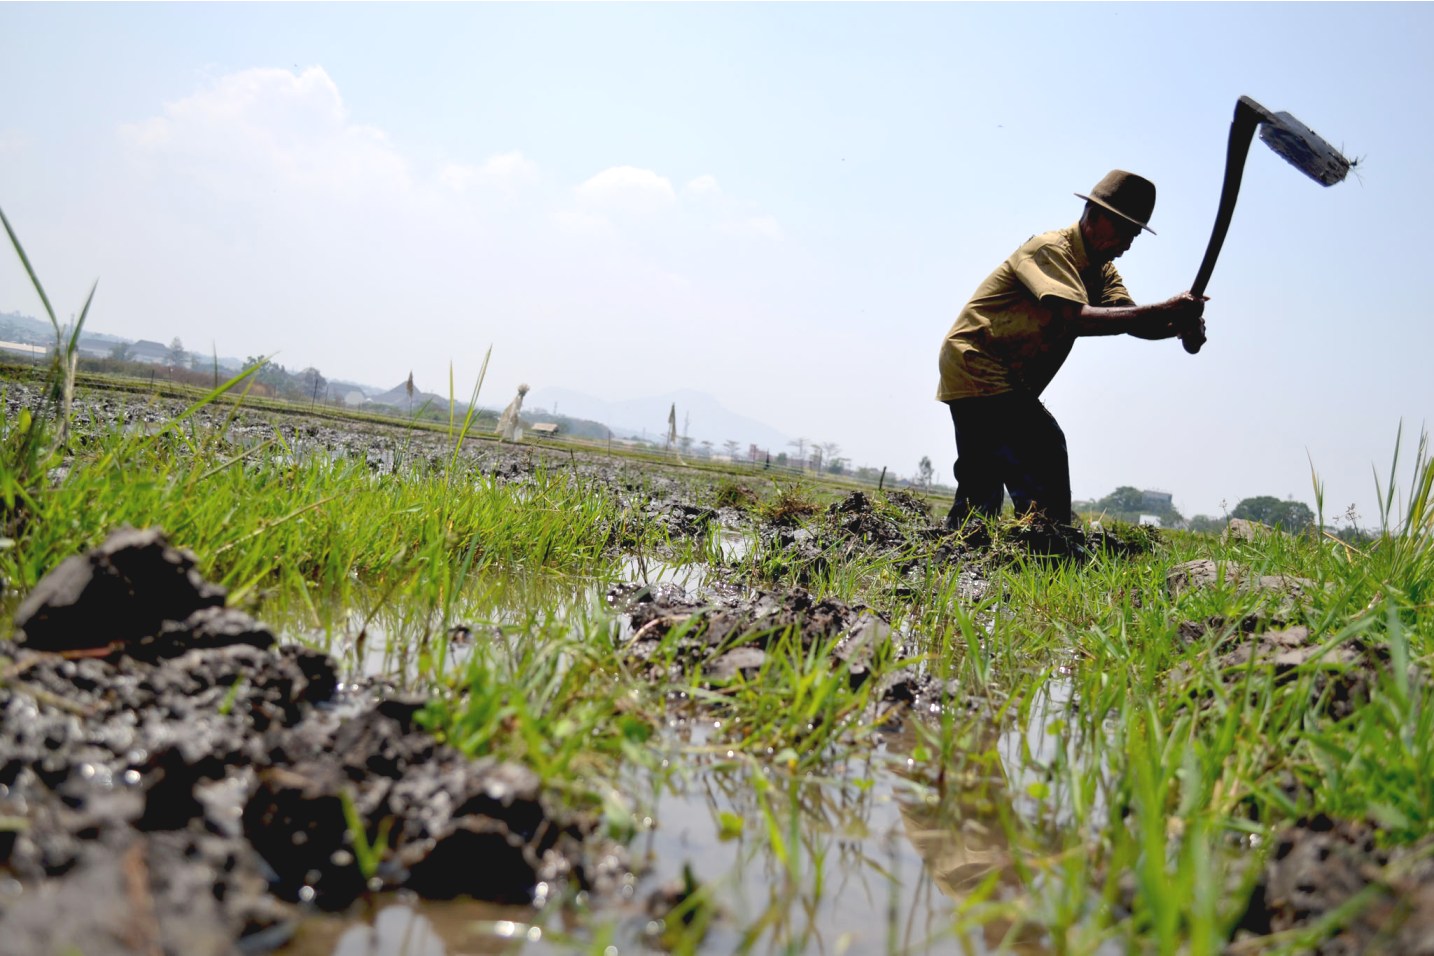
pixel 782 205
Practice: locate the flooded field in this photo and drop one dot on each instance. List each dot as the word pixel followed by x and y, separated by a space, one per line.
pixel 378 690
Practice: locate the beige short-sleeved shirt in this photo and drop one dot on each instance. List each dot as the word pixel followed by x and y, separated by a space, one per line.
pixel 1009 337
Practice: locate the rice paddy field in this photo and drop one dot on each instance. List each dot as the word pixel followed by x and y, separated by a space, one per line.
pixel 479 697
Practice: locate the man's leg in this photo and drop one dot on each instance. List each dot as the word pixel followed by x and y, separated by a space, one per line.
pixel 979 424
pixel 1036 465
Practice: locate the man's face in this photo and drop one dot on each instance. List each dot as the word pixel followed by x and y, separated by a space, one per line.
pixel 1109 236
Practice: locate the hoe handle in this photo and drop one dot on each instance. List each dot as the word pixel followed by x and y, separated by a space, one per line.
pixel 1248 116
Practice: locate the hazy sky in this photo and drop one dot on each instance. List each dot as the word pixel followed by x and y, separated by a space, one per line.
pixel 782 205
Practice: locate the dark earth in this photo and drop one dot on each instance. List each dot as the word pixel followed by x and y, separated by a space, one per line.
pixel 172 781
pixel 175 780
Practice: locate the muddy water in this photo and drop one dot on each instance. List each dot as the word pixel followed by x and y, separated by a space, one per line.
pixel 865 860
pixel 413 647
pixel 870 863
pixel 868 860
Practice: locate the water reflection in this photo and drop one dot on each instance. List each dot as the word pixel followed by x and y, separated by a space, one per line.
pixel 863 859
pixel 866 860
pixel 413 645
pixel 962 847
pixel 394 926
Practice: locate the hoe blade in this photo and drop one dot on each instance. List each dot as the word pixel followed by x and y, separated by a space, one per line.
pixel 1300 146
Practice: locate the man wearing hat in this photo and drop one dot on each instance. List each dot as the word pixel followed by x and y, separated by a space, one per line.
pixel 1012 337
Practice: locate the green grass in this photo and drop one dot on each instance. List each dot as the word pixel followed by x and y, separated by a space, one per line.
pixel 1137 781
pixel 269 519
pixel 1144 826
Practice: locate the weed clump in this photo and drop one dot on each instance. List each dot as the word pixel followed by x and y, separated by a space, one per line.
pixel 731 493
pixel 787 504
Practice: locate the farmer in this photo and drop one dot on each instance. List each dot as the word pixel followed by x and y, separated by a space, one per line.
pixel 1012 337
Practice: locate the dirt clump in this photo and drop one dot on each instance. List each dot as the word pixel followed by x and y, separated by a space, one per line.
pixel 1319 865
pixel 1341 675
pixel 718 620
pixel 898 527
pixel 173 781
pixel 861 525
pixel 727 633
pixel 120 591
pixel 1204 574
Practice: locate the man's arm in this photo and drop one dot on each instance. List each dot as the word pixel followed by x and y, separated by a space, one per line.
pixel 1160 320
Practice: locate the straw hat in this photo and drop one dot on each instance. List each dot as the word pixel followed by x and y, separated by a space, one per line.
pixel 1129 196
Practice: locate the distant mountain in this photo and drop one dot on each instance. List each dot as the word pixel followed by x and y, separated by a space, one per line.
pixel 398 397
pixel 15 327
pixel 344 385
pixel 701 414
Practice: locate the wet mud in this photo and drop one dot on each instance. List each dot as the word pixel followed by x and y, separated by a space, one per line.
pixel 1341 672
pixel 724 634
pixel 1321 865
pixel 172 781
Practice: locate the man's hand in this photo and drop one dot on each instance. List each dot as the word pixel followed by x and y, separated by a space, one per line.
pixel 1187 319
pixel 1184 308
pixel 1180 315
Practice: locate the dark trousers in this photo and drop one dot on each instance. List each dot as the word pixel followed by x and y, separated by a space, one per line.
pixel 1009 442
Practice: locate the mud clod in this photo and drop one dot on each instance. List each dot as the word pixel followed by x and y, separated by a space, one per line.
pixel 1321 864
pixel 730 635
pixel 1203 574
pixel 1341 675
pixel 182 785
pixel 121 591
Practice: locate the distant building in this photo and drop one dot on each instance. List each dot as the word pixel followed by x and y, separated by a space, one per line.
pixel 1161 501
pixel 1152 521
pixel 153 353
pixel 544 429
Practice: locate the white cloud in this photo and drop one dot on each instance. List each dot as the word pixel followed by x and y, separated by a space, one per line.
pixel 704 186
pixel 264 212
pixel 728 215
pixel 765 227
pixel 287 129
pixel 506 171
pixel 13 141
pixel 580 223
pixel 628 189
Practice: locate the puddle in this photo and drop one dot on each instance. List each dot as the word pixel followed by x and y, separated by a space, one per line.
pixel 864 861
pixel 414 647
pixel 407 926
pixel 858 869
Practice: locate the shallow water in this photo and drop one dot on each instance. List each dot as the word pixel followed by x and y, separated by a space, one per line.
pixel 413 647
pixel 868 859
pixel 871 865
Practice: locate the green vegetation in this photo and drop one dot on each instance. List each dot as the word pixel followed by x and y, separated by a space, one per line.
pixel 1107 771
pixel 788 501
pixel 1292 516
pixel 1128 503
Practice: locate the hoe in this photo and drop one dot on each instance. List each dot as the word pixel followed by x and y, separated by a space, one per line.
pixel 1293 140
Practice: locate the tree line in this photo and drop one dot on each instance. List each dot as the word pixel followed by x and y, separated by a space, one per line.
pixel 1128 503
